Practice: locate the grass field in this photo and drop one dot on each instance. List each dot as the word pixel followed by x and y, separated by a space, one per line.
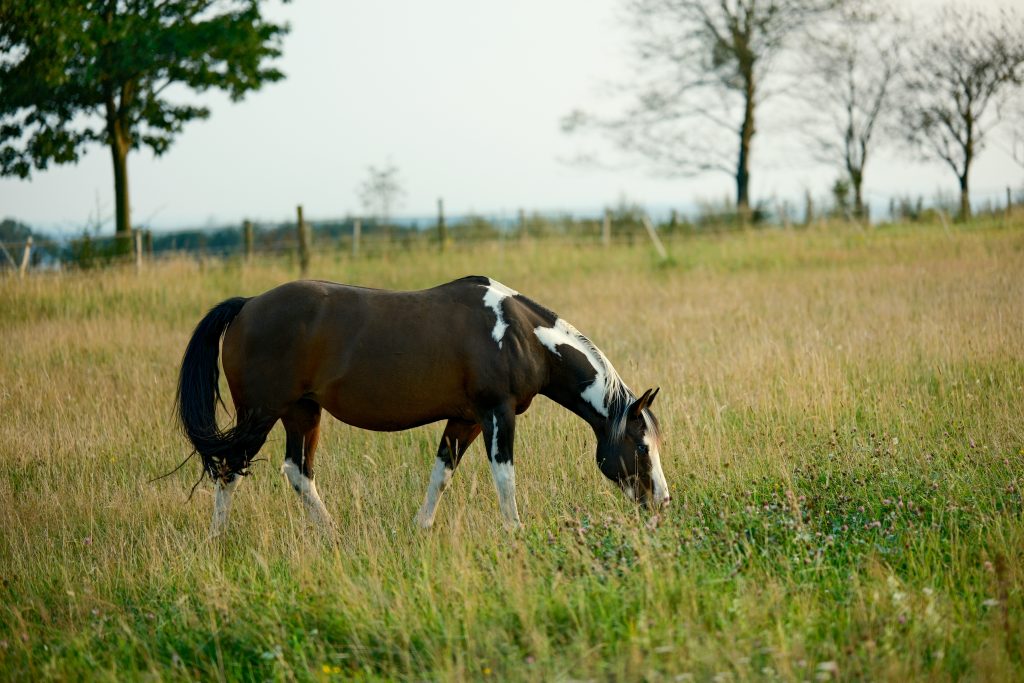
pixel 844 421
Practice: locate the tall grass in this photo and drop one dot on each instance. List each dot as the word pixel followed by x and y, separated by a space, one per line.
pixel 843 413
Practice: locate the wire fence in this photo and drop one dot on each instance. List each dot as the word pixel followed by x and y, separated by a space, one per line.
pixel 367 238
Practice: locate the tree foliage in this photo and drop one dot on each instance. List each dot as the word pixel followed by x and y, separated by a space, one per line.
pixel 76 72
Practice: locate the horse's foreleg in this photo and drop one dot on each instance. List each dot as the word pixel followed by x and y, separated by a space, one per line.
pixel 222 504
pixel 499 431
pixel 302 428
pixel 454 442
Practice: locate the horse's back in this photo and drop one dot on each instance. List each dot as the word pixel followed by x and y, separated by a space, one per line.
pixel 374 358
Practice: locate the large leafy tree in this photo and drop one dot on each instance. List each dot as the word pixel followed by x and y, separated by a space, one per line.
pixel 76 72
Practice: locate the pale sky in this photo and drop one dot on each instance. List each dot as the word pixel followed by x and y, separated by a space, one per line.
pixel 464 96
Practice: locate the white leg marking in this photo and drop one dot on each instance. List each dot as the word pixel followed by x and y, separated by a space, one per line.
pixel 222 504
pixel 606 382
pixel 505 481
pixel 439 480
pixel 306 489
pixel 661 494
pixel 494 296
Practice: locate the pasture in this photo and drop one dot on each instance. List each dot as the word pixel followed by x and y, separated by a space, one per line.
pixel 844 424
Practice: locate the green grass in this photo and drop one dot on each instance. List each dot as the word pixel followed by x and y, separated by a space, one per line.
pixel 845 447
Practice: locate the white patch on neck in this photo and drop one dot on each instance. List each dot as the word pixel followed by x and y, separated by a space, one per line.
pixel 494 296
pixel 599 393
pixel 661 495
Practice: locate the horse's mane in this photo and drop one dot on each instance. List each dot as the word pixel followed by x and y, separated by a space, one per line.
pixel 619 396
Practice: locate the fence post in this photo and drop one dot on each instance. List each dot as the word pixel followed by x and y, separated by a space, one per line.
pixel 247 237
pixel 1009 203
pixel 653 234
pixel 357 233
pixel 147 243
pixel 442 229
pixel 606 228
pixel 303 243
pixel 25 257
pixel 138 250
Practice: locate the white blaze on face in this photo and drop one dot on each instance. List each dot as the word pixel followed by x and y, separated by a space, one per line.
pixel 494 296
pixel 661 495
pixel 563 333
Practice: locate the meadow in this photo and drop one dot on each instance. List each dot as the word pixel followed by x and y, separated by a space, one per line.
pixel 844 422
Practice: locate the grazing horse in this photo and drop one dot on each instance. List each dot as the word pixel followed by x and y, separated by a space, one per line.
pixel 473 352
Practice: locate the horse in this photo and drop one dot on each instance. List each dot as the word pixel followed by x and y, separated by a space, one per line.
pixel 473 352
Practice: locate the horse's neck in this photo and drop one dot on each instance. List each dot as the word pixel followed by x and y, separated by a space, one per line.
pixel 566 387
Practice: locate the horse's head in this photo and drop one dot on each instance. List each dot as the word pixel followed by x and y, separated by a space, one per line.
pixel 629 454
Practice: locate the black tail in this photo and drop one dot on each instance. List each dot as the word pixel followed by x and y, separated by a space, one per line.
pixel 223 453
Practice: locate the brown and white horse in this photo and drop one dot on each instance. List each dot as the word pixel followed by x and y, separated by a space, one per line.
pixel 472 352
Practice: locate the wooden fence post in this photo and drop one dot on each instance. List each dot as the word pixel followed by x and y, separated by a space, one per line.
pixel 357 233
pixel 147 243
pixel 1009 203
pixel 606 228
pixel 522 225
pixel 653 234
pixel 25 257
pixel 138 250
pixel 442 229
pixel 248 238
pixel 303 233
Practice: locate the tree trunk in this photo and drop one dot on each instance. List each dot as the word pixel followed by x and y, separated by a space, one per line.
pixel 965 197
pixel 857 181
pixel 117 135
pixel 119 152
pixel 743 163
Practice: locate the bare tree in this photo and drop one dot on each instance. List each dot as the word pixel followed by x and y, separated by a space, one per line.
pixel 1016 133
pixel 851 62
pixel 698 79
pixel 381 193
pixel 966 64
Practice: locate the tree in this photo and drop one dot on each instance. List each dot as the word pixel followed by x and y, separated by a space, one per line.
pixel 852 63
pixel 963 68
pixel 381 193
pixel 75 72
pixel 698 79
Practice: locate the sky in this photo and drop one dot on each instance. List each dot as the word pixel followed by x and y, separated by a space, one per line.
pixel 463 96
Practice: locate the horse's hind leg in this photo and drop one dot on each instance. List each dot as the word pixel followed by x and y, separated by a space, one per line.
pixel 224 487
pixel 223 491
pixel 302 428
pixel 456 439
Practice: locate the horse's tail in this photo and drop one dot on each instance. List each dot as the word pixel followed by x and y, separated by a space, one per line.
pixel 223 452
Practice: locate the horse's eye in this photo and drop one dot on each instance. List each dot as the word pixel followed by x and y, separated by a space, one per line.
pixel 642 449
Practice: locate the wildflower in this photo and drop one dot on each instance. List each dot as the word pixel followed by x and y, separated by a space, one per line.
pixel 87 540
pixel 486 671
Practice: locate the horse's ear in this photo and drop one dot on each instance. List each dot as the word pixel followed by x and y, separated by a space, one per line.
pixel 644 401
